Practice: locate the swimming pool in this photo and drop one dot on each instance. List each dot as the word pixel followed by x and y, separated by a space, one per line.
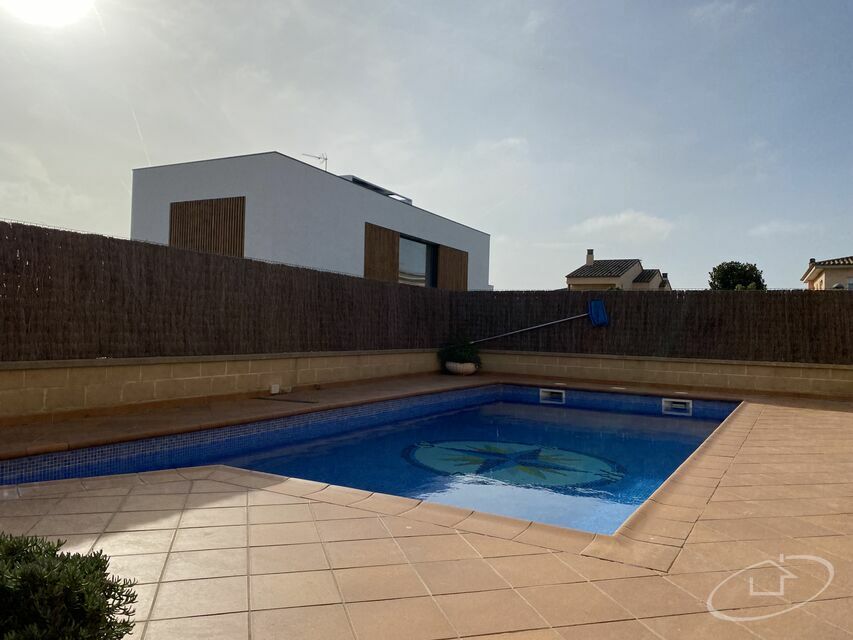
pixel 580 459
pixel 568 467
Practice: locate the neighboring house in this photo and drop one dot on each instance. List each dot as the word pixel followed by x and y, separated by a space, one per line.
pixel 270 206
pixel 835 273
pixel 626 274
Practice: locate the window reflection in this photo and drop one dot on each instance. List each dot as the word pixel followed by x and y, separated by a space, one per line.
pixel 416 260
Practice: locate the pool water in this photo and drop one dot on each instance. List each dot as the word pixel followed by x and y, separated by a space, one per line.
pixel 575 468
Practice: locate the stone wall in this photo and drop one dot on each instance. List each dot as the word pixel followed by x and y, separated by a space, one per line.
pixel 46 388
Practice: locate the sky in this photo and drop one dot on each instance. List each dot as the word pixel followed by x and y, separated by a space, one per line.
pixel 684 134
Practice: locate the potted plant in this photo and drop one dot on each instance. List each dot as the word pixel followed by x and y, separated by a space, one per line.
pixel 461 358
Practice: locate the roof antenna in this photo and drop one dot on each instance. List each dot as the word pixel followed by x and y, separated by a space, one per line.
pixel 322 158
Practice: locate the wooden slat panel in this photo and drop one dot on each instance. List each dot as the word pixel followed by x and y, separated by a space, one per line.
pixel 381 253
pixel 452 269
pixel 217 225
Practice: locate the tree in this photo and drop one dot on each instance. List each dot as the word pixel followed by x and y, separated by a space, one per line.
pixel 737 276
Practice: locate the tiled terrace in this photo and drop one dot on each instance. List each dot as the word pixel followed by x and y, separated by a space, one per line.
pixel 225 553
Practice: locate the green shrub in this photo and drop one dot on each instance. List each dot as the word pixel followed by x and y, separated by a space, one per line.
pixel 52 595
pixel 459 351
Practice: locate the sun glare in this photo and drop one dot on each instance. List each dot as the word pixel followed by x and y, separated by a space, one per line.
pixel 49 13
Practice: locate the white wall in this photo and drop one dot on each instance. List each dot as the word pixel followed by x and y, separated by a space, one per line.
pixel 296 213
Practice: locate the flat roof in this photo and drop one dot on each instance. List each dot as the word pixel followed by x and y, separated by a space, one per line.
pixel 324 172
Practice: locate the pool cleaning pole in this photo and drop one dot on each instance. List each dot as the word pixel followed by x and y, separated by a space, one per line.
pixel 538 326
pixel 597 315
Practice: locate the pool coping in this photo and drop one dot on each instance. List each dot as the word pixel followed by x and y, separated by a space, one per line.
pixel 650 537
pixel 43 438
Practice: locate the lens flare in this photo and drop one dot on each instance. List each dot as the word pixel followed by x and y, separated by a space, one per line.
pixel 48 13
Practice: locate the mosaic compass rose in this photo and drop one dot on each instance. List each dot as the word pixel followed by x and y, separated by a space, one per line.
pixel 514 462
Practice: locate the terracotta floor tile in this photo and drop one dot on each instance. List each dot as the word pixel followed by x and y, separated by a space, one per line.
pixel 489 612
pixel 543 535
pixel 166 488
pixel 438 514
pixel 88 505
pixel 379 583
pixel 841 546
pixel 210 538
pixel 117 544
pixel 328 511
pixel 389 505
pixel 699 626
pixel 200 597
pixel 637 536
pixel 795 624
pixel 215 517
pixel 212 486
pixel 214 500
pixel 286 558
pixel 283 533
pixel 492 525
pixel 297 487
pixel 226 626
pixel 651 597
pixel 538 634
pixel 272 513
pixel 363 553
pixel 354 529
pixel 622 630
pixel 490 547
pixel 17 525
pixel 36 507
pixel 646 523
pixel 327 622
pixel 597 569
pixel 836 612
pixel 196 473
pixel 143 568
pixel 119 480
pixel 621 549
pixel 716 556
pixel 339 495
pixel 270 497
pixel 405 527
pixel 296 589
pixel 160 477
pixel 409 618
pixel 528 571
pixel 154 502
pixel 726 589
pixel 459 576
pixel 70 524
pixel 144 600
pixel 570 604
pixel 838 523
pixel 430 548
pixel 143 520
pixel 667 512
pixel 76 543
pixel 213 563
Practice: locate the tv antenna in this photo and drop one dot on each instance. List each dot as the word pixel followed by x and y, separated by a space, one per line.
pixel 322 158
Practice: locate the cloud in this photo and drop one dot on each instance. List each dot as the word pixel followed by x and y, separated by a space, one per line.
pixel 627 226
pixel 512 144
pixel 778 228
pixel 719 12
pixel 759 161
pixel 535 19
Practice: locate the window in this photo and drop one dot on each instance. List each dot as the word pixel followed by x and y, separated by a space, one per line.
pixel 850 284
pixel 417 263
pixel 217 225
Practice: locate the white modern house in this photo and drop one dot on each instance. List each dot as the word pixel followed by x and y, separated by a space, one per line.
pixel 270 206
